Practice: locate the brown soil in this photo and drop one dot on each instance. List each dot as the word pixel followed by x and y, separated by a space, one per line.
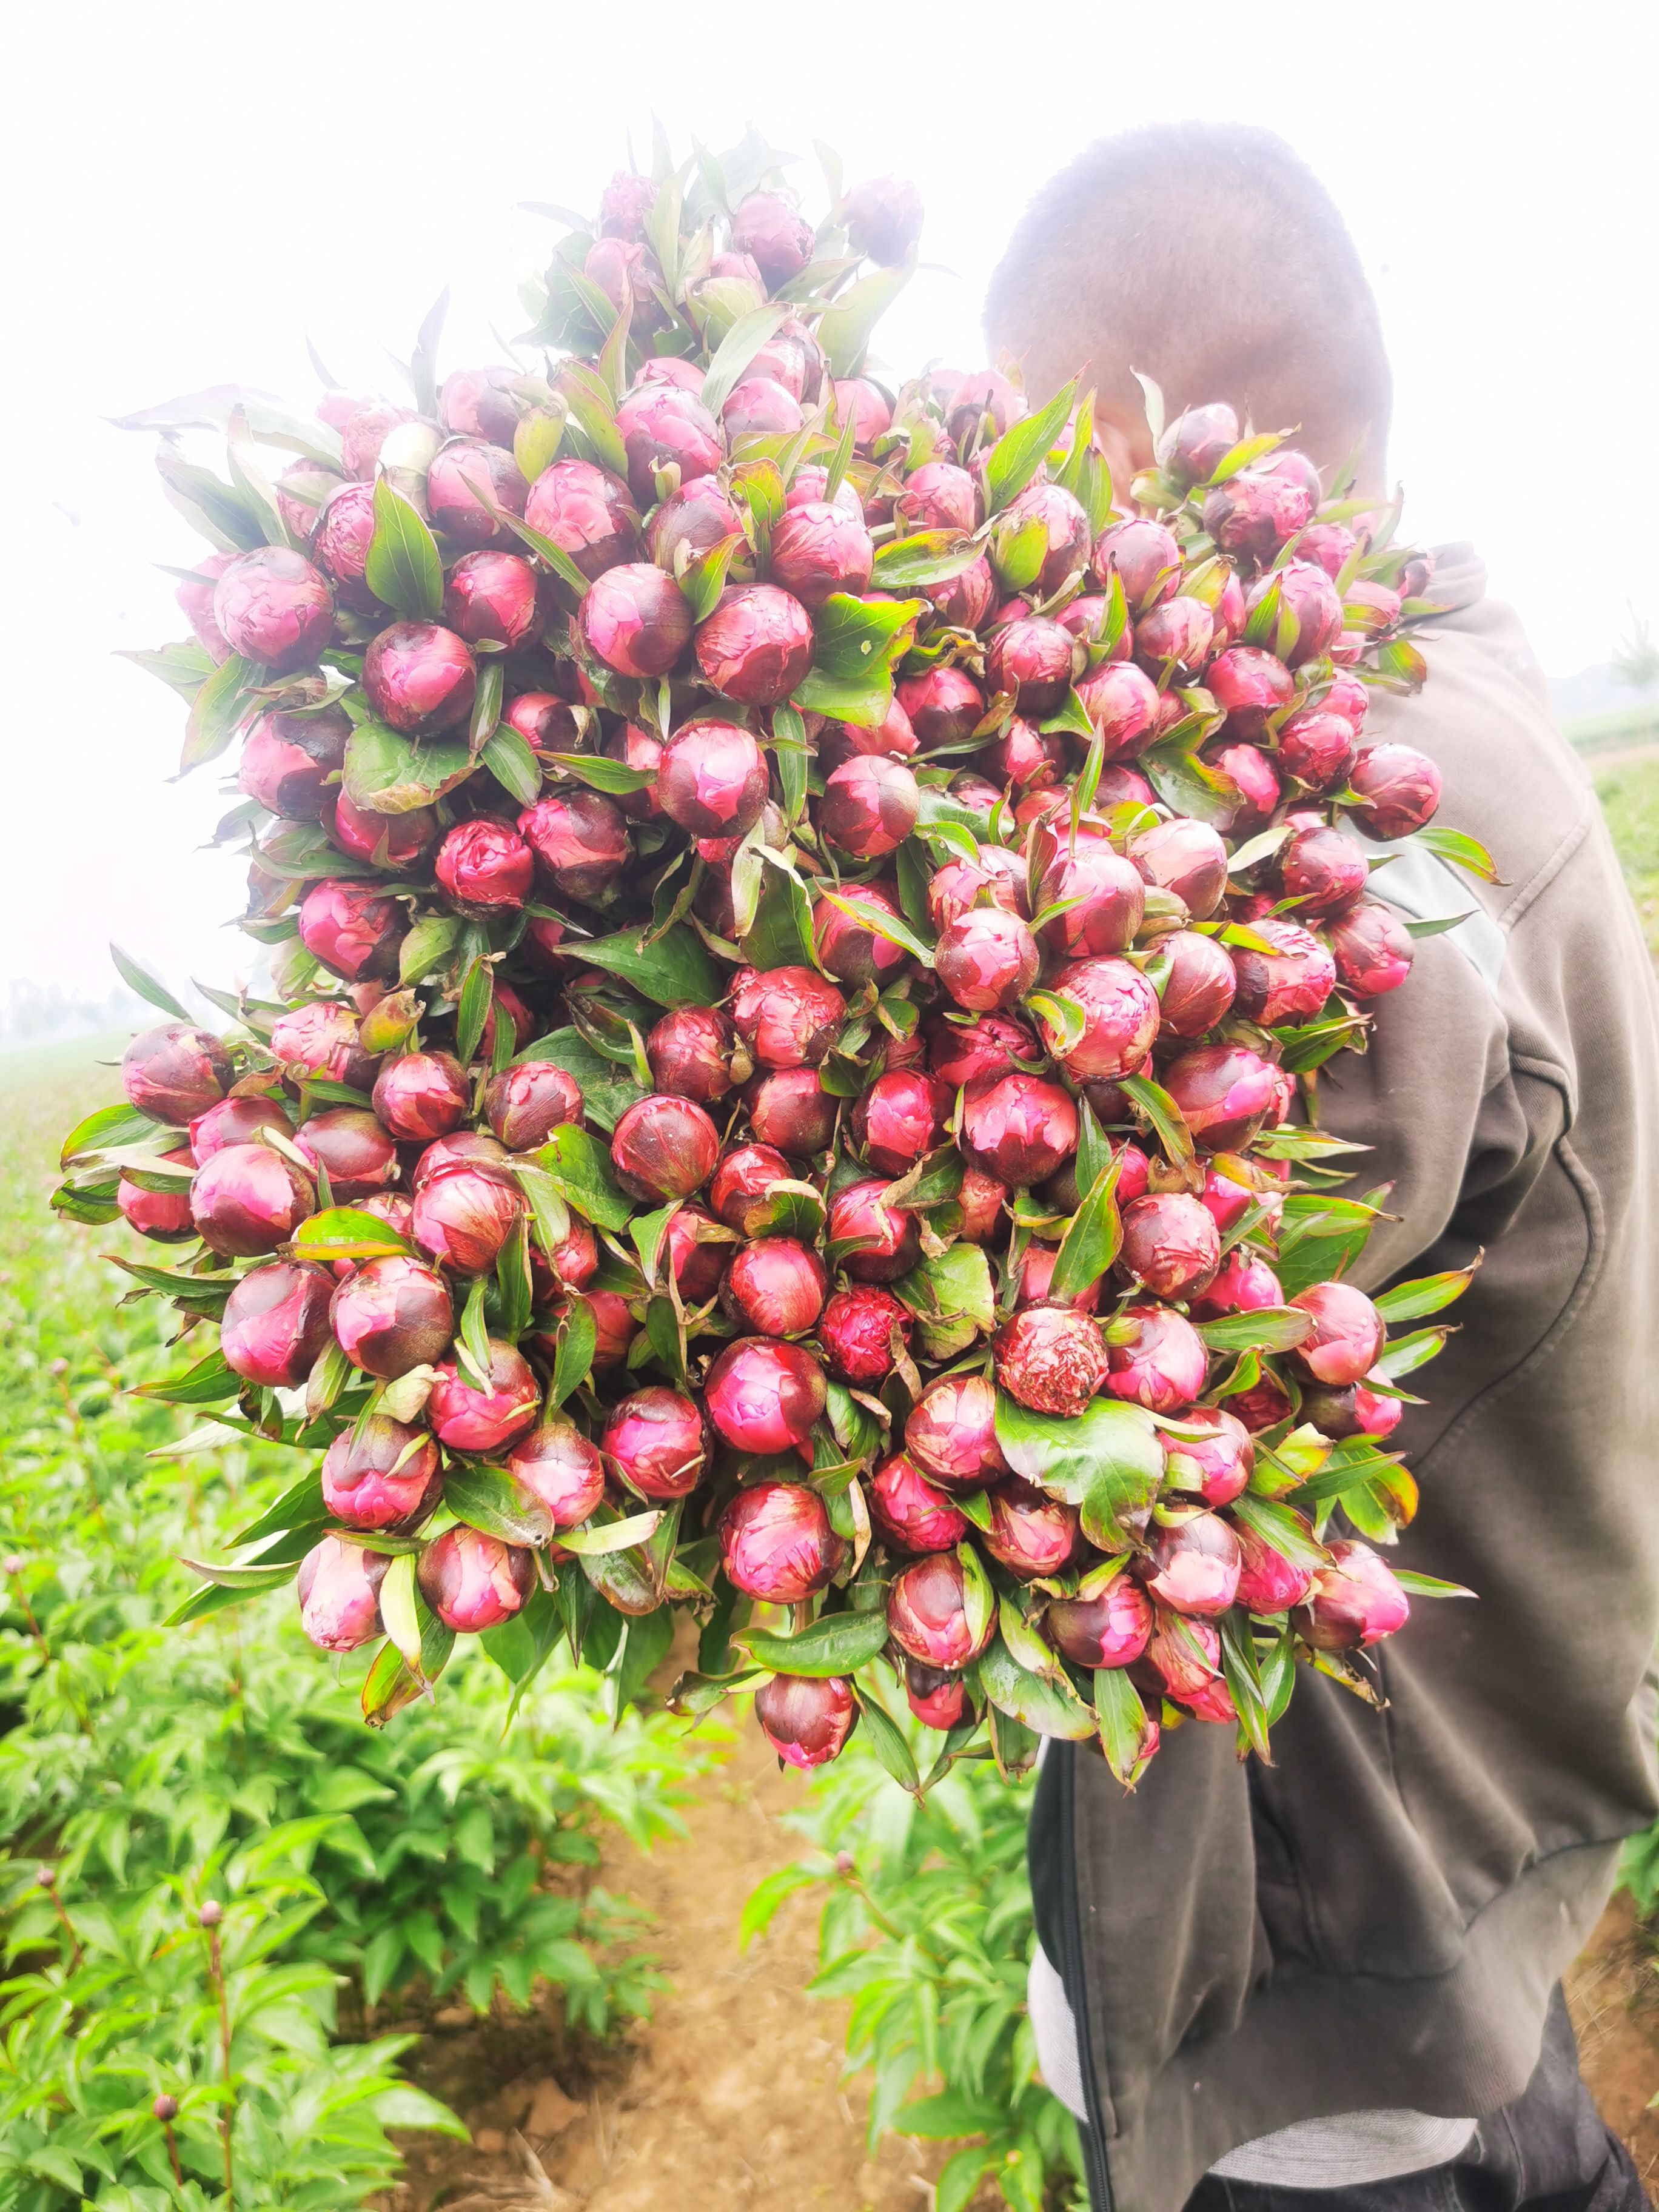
pixel 731 2095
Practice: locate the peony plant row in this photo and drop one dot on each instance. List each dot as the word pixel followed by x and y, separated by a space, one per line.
pixel 802 923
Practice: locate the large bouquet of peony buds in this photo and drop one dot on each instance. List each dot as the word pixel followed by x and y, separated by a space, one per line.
pixel 802 923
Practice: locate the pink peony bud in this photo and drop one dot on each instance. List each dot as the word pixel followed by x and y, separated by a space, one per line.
pixel 870 806
pixel 656 1442
pixel 698 1261
pixel 807 1718
pixel 349 1144
pixel 343 531
pixel 909 1512
pixel 886 1236
pixel 1289 984
pixel 1176 635
pixel 174 1072
pixel 851 952
pixel 1355 1602
pixel 856 1332
pixel 951 1432
pixel 636 619
pixel 883 218
pixel 275 1323
pixel 1243 1283
pixel 1111 1629
pixel 1267 1582
pixel 764 1396
pixel 586 514
pixel 1037 1274
pixel 900 1117
pixel 664 1147
pixel 525 1104
pixel 473 1582
pixel 490 599
pixel 321 1040
pixel 1257 511
pixel 1017 1128
pixel 791 1110
pixel 273 608
pixel 927 1612
pixel 479 403
pixel 757 646
pixel 1185 1656
pixel 391 841
pixel 1401 787
pixel 420 678
pixel 1347 1336
pixel 819 549
pixel 1031 1532
pixel 1372 948
pixel 1195 444
pixel 1186 858
pixel 744 1182
pixel 286 760
pixel 581 840
pixel 1323 871
pixel 776 1543
pixel 870 408
pixel 339 1591
pixel 1040 540
pixel 392 1314
pixel 1171 1246
pixel 464 1218
pixel 788 1017
pixel 1217 1465
pixel 1029 661
pixel 662 428
pixel 1121 700
pixel 162 1215
pixel 379 1473
pixel 1258 785
pixel 712 779
pixel 422 1096
pixel 195 599
pixel 352 930
pixel 467 479
pixel 1225 1093
pixel 960 1052
pixel 1146 558
pixel 1162 1365
pixel 937 1698
pixel 1050 1358
pixel 987 959
pixel 1248 685
pixel 468 1419
pixel 1200 988
pixel 769 229
pixel 774 1287
pixel 1110 899
pixel 1120 1015
pixel 247 1200
pixel 557 1464
pixel 938 496
pixel 944 706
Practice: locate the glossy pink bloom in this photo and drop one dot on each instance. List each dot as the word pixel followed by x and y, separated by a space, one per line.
pixel 910 1512
pixel 286 760
pixel 1171 1246
pixel 392 841
pixel 485 863
pixel 776 1543
pixel 663 427
pixel 691 1052
pixel 1196 443
pixel 1268 1583
pixel 174 1072
pixel 951 1432
pixel 473 1420
pixel 938 496
pixel 757 646
pixel 161 1214
pixel 1146 558
pixel 1186 857
pixel 852 951
pixel 870 806
pixel 1120 1016
pixel 338 1587
pixel 636 619
pixel 712 779
pixel 353 930
pixel 580 839
pixel 273 608
pixel 1110 894
pixel 987 959
pixel 937 1698
pixel 557 1463
pixel 247 1200
pixel 1031 1532
pixel 1121 700
pixel 1401 787
pixel 1017 1128
pixel 817 549
pixel 1225 1093
pixel 468 478
pixel 1195 1566
pixel 769 229
pixel 586 513
pixel 764 1396
pixel 1248 684
pixel 1255 512
pixel 420 678
pixel 856 1332
pixel 275 1323
pixel 1318 748
pixel 1051 1357
pixel 944 705
pixel 887 1238
pixel 349 1144
pixel 525 1104
pixel 657 1442
pixel 1243 1283
pixel 379 1473
pixel 463 1218
pixel 774 1287
pixel 473 1582
pixel 1162 1366
pixel 807 1718
pixel 1186 1656
pixel 665 1147
pixel 961 1052
pixel 1036 1273
pixel 1040 539
pixel 1347 1335
pixel 392 1314
pixel 1355 1602
pixel 788 1017
pixel 900 1117
pixel 928 1612
pixel 1372 948
pixel 1111 1629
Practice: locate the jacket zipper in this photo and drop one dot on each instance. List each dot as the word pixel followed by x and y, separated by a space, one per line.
pixel 1071 1974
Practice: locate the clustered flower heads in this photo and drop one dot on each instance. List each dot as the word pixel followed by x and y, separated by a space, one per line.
pixel 802 923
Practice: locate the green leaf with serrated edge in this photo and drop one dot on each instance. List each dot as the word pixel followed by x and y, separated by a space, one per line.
pixel 472 1011
pixel 387 774
pixel 1106 1461
pixel 1461 849
pixel 345 1232
pixel 736 350
pixel 673 971
pixel 404 567
pixel 881 925
pixel 110 1127
pixel 573 1362
pixel 1121 1719
pixel 507 756
pixel 1092 1237
pixel 1022 449
pixel 598 1540
pixel 218 707
pixel 928 557
pixel 488 1499
pixel 1052 1708
pixel 1427 1295
pixel 606 1094
pixel 836 1644
pixel 580 1165
pixel 146 986
pixel 1165 1117
pixel 1265 1329
pixel 1407 1353
pixel 1416 1585
pixel 887 1741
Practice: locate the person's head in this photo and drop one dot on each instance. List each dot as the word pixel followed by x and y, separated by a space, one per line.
pixel 1211 258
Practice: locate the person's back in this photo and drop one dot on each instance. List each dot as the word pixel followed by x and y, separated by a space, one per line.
pixel 1365 1935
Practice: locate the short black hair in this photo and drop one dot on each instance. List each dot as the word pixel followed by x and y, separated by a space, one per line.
pixel 1209 257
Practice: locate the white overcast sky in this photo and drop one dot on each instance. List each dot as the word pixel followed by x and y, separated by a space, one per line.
pixel 188 190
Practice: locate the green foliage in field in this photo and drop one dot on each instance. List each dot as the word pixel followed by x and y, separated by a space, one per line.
pixel 1629 800
pixel 154 1769
pixel 928 1928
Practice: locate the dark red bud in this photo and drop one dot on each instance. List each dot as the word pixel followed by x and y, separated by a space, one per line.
pixel 473 1582
pixel 392 1314
pixel 273 608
